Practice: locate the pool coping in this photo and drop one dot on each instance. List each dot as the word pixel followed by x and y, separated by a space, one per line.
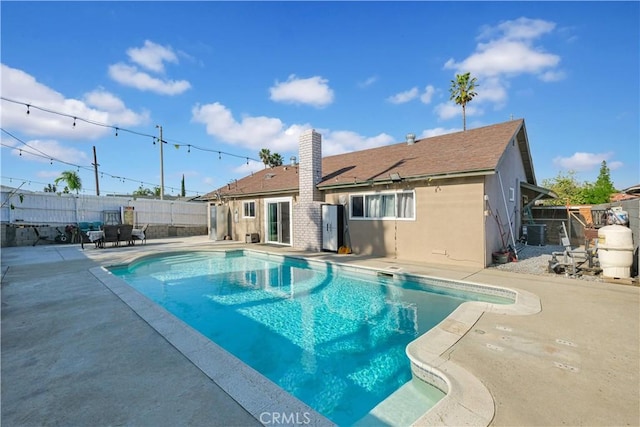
pixel 466 402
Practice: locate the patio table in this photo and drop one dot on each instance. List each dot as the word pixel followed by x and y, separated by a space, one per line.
pixel 97 236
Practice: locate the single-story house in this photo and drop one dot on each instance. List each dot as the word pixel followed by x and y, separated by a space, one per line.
pixel 454 199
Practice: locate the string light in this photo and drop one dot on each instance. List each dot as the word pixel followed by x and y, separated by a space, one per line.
pixel 117 129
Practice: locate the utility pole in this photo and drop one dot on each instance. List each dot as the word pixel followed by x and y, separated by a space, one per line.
pixel 161 165
pixel 95 169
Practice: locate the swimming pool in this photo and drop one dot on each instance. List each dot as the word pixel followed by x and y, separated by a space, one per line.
pixel 332 337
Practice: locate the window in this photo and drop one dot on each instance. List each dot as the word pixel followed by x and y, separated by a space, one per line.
pixel 249 209
pixel 383 205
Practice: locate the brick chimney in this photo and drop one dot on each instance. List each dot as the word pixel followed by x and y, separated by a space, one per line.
pixel 307 212
pixel 310 166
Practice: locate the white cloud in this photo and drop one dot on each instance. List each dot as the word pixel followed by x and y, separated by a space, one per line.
pixel 342 141
pixel 129 75
pixel 583 162
pixel 152 56
pixel 97 106
pixel 518 29
pixel 428 133
pixel 313 91
pixel 505 57
pixel 256 133
pixel 504 51
pixel 250 132
pixel 447 111
pixel 427 95
pixel 248 168
pixel 552 76
pixel 402 97
pixel 368 82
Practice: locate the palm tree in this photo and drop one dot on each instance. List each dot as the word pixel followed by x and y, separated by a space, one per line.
pixel 462 93
pixel 72 179
pixel 275 160
pixel 265 156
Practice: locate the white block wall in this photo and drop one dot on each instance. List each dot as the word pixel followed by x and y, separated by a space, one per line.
pixel 307 214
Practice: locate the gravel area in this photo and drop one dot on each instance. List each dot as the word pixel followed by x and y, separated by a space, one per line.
pixel 535 260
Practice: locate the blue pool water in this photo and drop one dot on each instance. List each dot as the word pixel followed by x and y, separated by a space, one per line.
pixel 334 339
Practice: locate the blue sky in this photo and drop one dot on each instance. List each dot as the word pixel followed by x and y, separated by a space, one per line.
pixel 236 77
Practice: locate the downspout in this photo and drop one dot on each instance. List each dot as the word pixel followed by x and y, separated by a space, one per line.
pixel 506 209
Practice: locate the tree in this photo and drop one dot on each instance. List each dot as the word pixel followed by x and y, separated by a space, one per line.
pixel 601 191
pixel 275 160
pixel 74 183
pixel 183 192
pixel 265 156
pixel 271 160
pixel 50 188
pixel 567 188
pixel 462 92
pixel 142 191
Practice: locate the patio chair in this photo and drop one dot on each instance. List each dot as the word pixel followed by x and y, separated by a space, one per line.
pixel 125 234
pixel 110 235
pixel 143 236
pixel 83 228
pixel 573 260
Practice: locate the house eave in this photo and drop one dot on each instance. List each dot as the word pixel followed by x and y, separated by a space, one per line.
pixel 426 177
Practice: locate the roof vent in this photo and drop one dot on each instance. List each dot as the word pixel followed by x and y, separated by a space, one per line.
pixel 293 160
pixel 411 138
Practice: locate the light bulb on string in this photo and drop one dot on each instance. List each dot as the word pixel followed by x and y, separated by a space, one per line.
pixel 188 148
pixel 116 131
pixel 74 122
pixel 20 153
pixel 219 156
pixel 28 112
pixel 247 160
pixel 154 140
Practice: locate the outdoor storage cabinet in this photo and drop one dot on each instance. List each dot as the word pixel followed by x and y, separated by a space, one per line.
pixel 332 227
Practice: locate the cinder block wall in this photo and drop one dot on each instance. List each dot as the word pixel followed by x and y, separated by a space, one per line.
pixel 24 235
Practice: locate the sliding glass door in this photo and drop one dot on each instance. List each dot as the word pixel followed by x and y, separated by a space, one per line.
pixel 278 215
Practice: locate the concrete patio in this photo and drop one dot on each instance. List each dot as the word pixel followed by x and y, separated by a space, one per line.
pixel 73 353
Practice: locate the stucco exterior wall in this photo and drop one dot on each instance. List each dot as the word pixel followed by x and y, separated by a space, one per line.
pixel 502 207
pixel 448 227
pixel 240 226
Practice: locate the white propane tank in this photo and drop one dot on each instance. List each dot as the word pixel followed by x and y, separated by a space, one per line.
pixel 615 251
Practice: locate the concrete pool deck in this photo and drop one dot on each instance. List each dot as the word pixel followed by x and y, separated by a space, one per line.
pixel 73 353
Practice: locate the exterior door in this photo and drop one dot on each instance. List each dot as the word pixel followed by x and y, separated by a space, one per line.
pixel 278 221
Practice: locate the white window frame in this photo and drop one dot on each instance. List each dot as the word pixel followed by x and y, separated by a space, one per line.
pixel 394 217
pixel 246 203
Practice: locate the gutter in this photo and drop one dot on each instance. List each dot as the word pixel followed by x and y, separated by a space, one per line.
pixel 482 172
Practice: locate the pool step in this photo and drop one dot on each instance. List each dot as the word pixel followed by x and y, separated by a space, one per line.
pixel 404 406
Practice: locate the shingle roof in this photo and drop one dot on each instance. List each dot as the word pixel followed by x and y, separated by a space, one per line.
pixel 473 151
